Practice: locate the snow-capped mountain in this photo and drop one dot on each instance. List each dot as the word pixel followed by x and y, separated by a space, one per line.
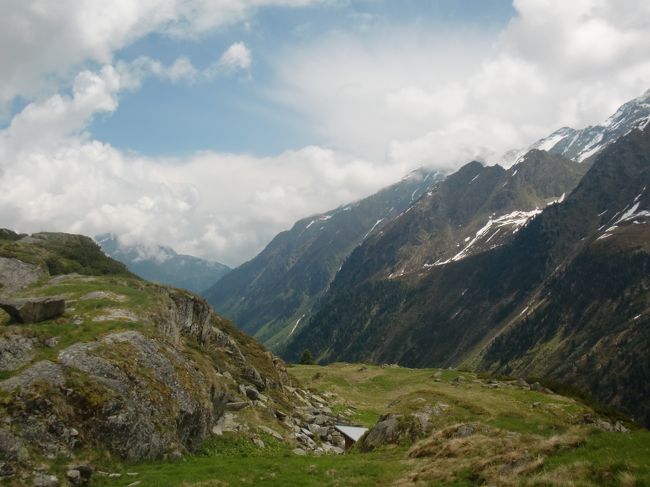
pixel 581 144
pixel 162 264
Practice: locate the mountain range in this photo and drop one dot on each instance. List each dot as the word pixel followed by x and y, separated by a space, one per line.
pixel 271 296
pixel 162 264
pixel 538 268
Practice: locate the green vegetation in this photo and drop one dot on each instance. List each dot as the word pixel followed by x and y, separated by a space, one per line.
pixel 236 461
pixel 61 253
pixel 523 437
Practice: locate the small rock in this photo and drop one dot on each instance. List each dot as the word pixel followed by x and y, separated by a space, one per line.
pixel 85 471
pixel 74 476
pixel 133 484
pixel 7 470
pixel 536 404
pixel 464 430
pixel 51 342
pixel 259 443
pixel 299 451
pixel 44 480
pixel 252 394
pixel 523 384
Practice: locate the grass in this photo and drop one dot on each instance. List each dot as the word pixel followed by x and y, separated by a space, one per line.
pixel 527 438
pixel 237 461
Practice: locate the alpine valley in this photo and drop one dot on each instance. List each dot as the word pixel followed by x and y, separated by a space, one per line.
pixel 540 269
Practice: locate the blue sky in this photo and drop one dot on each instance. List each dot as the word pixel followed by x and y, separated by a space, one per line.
pixel 174 119
pixel 210 126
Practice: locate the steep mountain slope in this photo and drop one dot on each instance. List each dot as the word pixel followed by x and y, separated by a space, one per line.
pixel 474 209
pixel 566 298
pixel 581 144
pixel 271 295
pixel 167 267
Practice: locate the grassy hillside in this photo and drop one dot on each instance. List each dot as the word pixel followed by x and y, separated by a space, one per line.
pixel 522 437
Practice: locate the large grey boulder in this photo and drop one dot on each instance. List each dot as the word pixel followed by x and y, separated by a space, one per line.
pixel 393 429
pixel 16 274
pixel 33 310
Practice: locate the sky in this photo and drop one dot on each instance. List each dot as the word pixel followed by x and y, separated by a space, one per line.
pixel 212 125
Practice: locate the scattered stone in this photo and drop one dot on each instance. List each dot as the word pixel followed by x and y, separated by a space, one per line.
pixel 86 471
pixel 51 342
pixel 299 452
pixel 73 476
pixel 44 480
pixel 251 374
pixel 464 430
pixel 252 394
pixel 523 384
pixel 33 310
pixel 536 404
pixel 259 443
pixel 7 470
pixel 133 484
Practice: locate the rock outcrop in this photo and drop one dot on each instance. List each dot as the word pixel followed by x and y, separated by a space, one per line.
pixel 15 275
pixel 15 351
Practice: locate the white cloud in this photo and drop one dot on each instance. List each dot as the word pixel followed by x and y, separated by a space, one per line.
pixel 234 59
pixel 42 43
pixel 237 57
pixel 432 95
pixel 54 177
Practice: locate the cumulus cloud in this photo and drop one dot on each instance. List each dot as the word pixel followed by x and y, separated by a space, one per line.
pixel 235 59
pixel 437 96
pixel 43 43
pixel 55 177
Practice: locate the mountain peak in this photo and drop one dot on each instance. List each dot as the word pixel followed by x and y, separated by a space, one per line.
pixel 582 144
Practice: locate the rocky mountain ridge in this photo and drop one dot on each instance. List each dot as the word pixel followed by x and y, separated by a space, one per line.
pixel 582 144
pixel 272 295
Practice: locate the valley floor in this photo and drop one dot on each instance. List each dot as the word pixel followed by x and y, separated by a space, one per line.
pixel 516 437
